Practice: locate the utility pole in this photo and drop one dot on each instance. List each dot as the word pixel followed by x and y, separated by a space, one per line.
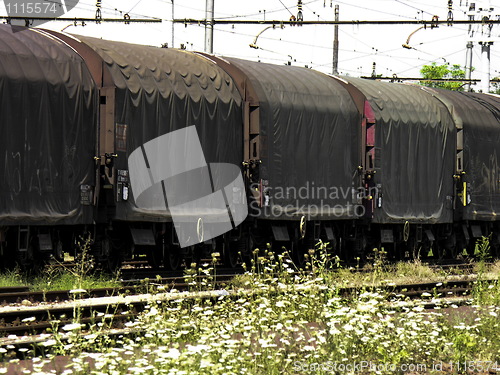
pixel 335 65
pixel 173 24
pixel 209 26
pixel 486 13
pixel 485 58
pixel 481 34
pixel 468 65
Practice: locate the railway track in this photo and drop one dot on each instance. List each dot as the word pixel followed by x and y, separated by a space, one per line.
pixel 142 266
pixel 121 304
pixel 437 266
pixel 28 318
pixel 137 280
pixel 23 296
pixel 456 288
pixel 27 329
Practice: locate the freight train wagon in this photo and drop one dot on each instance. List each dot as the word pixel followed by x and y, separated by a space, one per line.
pixel 177 154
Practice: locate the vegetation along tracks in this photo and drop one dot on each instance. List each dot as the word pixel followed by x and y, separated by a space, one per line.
pixel 284 308
pixel 60 308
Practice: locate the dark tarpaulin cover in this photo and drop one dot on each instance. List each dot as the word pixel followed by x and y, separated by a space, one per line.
pixel 48 117
pixel 480 114
pixel 415 153
pixel 309 129
pixel 159 90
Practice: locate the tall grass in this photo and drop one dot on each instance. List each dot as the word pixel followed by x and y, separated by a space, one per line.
pixel 281 321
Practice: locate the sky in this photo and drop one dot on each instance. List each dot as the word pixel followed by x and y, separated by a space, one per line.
pixel 312 46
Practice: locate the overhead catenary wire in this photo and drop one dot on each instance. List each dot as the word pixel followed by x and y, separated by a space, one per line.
pixel 411 6
pixel 285 7
pixel 370 9
pixel 200 10
pixel 359 54
pixel 267 11
pixel 81 5
pixel 388 22
pixel 382 53
pixel 137 3
pixel 435 60
pixel 364 46
pixel 320 22
pixel 326 22
pixel 397 78
pixel 294 42
pixel 81 19
pixel 398 58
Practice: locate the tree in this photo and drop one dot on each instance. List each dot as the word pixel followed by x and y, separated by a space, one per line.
pixel 495 86
pixel 444 71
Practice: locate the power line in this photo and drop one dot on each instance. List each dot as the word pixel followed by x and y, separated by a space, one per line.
pixel 362 53
pixel 285 7
pixel 267 12
pixel 79 19
pixel 435 60
pixel 396 78
pixel 370 9
pixel 180 5
pixel 411 6
pixel 91 7
pixel 353 22
pixel 131 9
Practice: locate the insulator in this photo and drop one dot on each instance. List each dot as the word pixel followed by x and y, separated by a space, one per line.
pixel 450 13
pixel 300 15
pixel 450 19
pixel 98 14
pixel 434 22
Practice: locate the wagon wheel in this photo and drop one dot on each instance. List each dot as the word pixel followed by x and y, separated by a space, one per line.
pixel 59 251
pixel 155 256
pixel 471 248
pixel 461 246
pixel 414 250
pixel 449 246
pixel 25 259
pixel 453 252
pixel 299 249
pixel 112 259
pixel 172 259
pixel 230 253
pixel 112 264
pixel 438 250
pixel 192 257
pixel 247 246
